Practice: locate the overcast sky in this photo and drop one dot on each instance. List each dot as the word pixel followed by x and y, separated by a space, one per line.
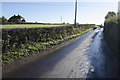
pixel 51 11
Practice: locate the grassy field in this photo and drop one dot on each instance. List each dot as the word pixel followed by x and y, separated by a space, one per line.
pixel 31 25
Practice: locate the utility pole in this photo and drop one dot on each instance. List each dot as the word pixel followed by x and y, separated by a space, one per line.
pixel 75 12
pixel 61 19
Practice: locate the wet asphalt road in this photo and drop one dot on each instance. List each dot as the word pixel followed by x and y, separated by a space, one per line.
pixel 86 57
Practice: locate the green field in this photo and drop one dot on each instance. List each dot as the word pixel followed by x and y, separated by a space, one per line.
pixel 31 25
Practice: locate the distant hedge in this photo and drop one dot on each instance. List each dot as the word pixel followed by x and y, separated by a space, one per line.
pixel 20 42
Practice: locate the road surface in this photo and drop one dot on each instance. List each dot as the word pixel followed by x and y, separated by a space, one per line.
pixel 86 57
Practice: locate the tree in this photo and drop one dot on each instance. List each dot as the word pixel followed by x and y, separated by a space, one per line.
pixel 63 22
pixel 0 20
pixel 3 20
pixel 110 14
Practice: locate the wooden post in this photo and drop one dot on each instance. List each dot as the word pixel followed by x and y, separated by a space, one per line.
pixel 75 12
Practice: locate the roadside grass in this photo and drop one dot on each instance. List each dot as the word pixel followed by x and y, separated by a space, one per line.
pixel 97 26
pixel 29 49
pixel 31 25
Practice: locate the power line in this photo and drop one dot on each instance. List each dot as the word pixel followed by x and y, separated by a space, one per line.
pixel 36 4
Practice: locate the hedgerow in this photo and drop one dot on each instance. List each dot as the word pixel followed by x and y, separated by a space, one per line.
pixel 111 33
pixel 22 42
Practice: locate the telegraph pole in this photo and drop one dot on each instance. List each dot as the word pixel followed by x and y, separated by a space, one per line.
pixel 61 19
pixel 75 12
